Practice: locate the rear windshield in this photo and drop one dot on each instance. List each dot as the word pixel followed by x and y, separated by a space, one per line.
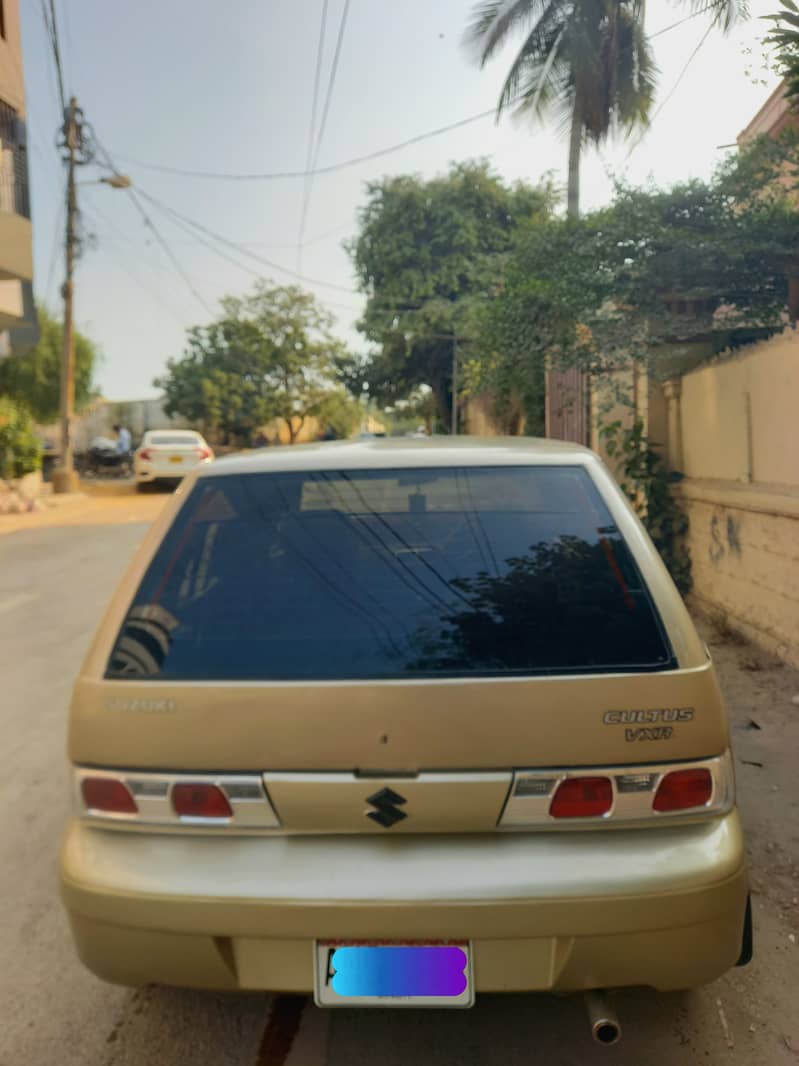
pixel 180 442
pixel 391 574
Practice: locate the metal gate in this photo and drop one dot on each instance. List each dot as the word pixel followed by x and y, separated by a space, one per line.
pixel 568 406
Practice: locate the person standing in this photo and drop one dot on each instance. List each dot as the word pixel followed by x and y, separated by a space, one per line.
pixel 124 440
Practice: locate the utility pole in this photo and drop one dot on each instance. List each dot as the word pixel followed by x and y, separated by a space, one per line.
pixel 64 479
pixel 454 386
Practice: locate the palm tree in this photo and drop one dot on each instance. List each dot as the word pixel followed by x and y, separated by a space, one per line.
pixel 587 61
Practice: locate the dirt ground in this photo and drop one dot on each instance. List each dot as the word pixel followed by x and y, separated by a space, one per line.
pixel 98 503
pixel 762 695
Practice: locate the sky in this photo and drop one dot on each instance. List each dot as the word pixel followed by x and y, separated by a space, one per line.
pixel 201 85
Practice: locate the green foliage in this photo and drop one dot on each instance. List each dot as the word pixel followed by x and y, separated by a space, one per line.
pixel 636 280
pixel 645 481
pixel 427 255
pixel 417 409
pixel 633 285
pixel 338 412
pixel 20 448
pixel 588 63
pixel 578 57
pixel 35 379
pixel 784 38
pixel 270 355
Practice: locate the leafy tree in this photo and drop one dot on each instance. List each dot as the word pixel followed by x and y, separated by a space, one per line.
pixel 337 412
pixel 20 448
pixel 654 268
pixel 784 38
pixel 270 355
pixel 426 255
pixel 35 379
pixel 632 282
pixel 586 62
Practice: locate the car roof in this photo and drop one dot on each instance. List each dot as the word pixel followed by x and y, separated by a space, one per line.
pixel 379 453
pixel 172 433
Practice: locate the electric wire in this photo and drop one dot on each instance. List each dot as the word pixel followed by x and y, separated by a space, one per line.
pixel 306 192
pixel 322 127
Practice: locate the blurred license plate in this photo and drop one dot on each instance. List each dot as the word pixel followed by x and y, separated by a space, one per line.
pixel 176 458
pixel 393 974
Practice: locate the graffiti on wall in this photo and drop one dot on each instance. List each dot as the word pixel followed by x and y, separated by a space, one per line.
pixel 725 536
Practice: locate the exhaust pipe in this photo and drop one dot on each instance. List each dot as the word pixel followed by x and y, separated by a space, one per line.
pixel 605 1027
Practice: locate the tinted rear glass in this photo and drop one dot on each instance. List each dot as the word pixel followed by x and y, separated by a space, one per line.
pixel 391 574
pixel 177 442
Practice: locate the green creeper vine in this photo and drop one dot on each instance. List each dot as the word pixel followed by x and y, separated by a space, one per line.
pixel 646 482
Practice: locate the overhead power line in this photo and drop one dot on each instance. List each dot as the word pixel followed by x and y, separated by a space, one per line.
pixel 51 25
pixel 109 162
pixel 332 168
pixel 672 90
pixel 682 73
pixel 680 22
pixel 243 250
pixel 253 271
pixel 123 262
pixel 309 157
pixel 331 84
pixel 314 161
pixel 174 259
pixel 192 227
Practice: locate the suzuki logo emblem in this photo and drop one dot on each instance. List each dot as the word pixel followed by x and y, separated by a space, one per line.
pixel 386 803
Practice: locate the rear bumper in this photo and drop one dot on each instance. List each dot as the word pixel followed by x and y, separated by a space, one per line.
pixel 662 907
pixel 149 474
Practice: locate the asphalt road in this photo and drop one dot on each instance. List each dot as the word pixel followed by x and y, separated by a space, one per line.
pixel 54 584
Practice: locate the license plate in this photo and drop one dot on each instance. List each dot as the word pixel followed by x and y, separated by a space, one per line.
pixel 393 974
pixel 176 458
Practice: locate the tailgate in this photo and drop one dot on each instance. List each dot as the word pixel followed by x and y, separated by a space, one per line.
pixel 400 727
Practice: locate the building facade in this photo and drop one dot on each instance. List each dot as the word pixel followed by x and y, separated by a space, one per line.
pixel 774 116
pixel 18 328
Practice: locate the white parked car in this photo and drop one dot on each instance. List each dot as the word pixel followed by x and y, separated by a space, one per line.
pixel 169 454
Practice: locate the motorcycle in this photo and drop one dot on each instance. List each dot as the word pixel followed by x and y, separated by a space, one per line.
pixel 103 460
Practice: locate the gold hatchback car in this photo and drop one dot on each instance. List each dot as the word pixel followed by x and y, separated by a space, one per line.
pixel 396 722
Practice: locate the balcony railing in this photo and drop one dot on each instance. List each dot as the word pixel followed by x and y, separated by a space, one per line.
pixel 14 188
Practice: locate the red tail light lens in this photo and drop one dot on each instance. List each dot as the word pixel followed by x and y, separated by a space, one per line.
pixel 201 801
pixel 582 797
pixel 109 795
pixel 205 453
pixel 682 789
pixel 145 455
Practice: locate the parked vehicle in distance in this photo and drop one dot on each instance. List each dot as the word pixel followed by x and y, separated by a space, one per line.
pixel 103 459
pixel 167 455
pixel 371 696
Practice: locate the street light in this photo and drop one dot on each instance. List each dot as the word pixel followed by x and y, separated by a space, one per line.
pixel 116 181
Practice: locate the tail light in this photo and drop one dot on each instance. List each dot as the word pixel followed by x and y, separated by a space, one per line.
pixel 200 801
pixel 169 802
pixel 109 795
pixel 681 790
pixel 145 455
pixel 582 797
pixel 205 453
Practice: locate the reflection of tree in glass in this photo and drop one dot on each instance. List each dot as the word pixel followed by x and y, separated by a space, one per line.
pixel 566 604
